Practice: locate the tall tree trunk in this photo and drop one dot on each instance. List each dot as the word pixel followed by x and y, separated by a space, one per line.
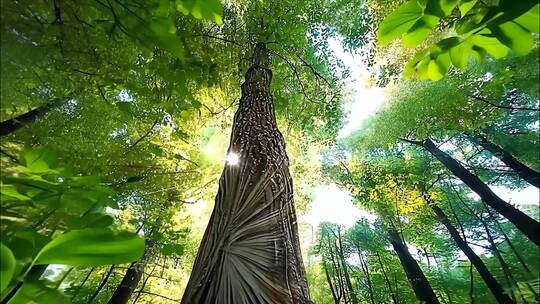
pixel 101 284
pixel 128 284
pixel 386 279
pixel 345 271
pixel 421 287
pixel 365 270
pixel 250 251
pixel 527 225
pixel 525 172
pixel 330 284
pixel 490 281
pixel 11 125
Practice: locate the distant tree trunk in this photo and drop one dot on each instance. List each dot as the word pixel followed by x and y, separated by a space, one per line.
pixel 527 225
pixel 386 279
pixel 490 281
pixel 331 285
pixel 365 270
pixel 250 251
pixel 128 284
pixel 11 125
pixel 101 284
pixel 525 172
pixel 82 283
pixel 421 287
pixel 471 283
pixel 345 271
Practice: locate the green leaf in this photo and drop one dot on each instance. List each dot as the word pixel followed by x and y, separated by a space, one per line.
pixel 438 67
pixel 92 247
pixel 514 36
pixel 202 9
pixel 7 266
pixel 173 249
pixel 91 220
pixel 441 8
pixel 38 160
pixel 530 20
pixel 12 192
pixel 420 30
pixel 459 55
pixel 465 6
pixel 492 46
pixel 399 21
pixel 37 293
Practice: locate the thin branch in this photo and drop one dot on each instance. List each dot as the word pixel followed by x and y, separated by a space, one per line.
pixel 503 107
pixel 141 138
pixel 218 38
pixel 158 295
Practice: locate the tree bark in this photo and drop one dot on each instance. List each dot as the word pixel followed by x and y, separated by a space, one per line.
pixel 250 251
pixel 421 287
pixel 11 125
pixel 527 225
pixel 490 281
pixel 525 172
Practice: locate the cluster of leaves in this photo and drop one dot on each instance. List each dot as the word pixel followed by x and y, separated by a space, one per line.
pixel 480 29
pixel 52 216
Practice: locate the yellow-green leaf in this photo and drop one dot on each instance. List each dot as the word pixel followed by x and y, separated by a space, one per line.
pixel 399 21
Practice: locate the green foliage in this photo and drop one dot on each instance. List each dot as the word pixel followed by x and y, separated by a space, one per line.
pixel 7 266
pixel 481 29
pixel 91 247
pixel 36 189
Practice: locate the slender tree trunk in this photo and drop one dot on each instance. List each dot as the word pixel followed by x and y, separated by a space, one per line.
pixel 250 249
pixel 365 270
pixel 128 284
pixel 101 284
pixel 508 241
pixel 11 125
pixel 82 283
pixel 490 281
pixel 471 283
pixel 345 271
pixel 527 225
pixel 386 279
pixel 421 287
pixel 331 285
pixel 525 172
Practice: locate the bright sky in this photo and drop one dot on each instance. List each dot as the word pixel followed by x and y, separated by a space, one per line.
pixel 331 203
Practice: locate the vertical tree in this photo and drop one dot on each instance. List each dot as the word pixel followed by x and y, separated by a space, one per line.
pixel 250 250
pixel 423 290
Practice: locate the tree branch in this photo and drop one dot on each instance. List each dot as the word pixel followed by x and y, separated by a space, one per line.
pixel 501 106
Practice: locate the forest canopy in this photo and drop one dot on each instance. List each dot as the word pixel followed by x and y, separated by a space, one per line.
pixel 220 151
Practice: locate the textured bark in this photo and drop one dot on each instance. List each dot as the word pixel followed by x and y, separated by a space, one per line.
pixel 525 172
pixel 421 287
pixel 11 125
pixel 250 251
pixel 527 225
pixel 490 281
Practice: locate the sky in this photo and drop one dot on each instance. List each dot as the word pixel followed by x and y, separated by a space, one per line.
pixel 331 203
